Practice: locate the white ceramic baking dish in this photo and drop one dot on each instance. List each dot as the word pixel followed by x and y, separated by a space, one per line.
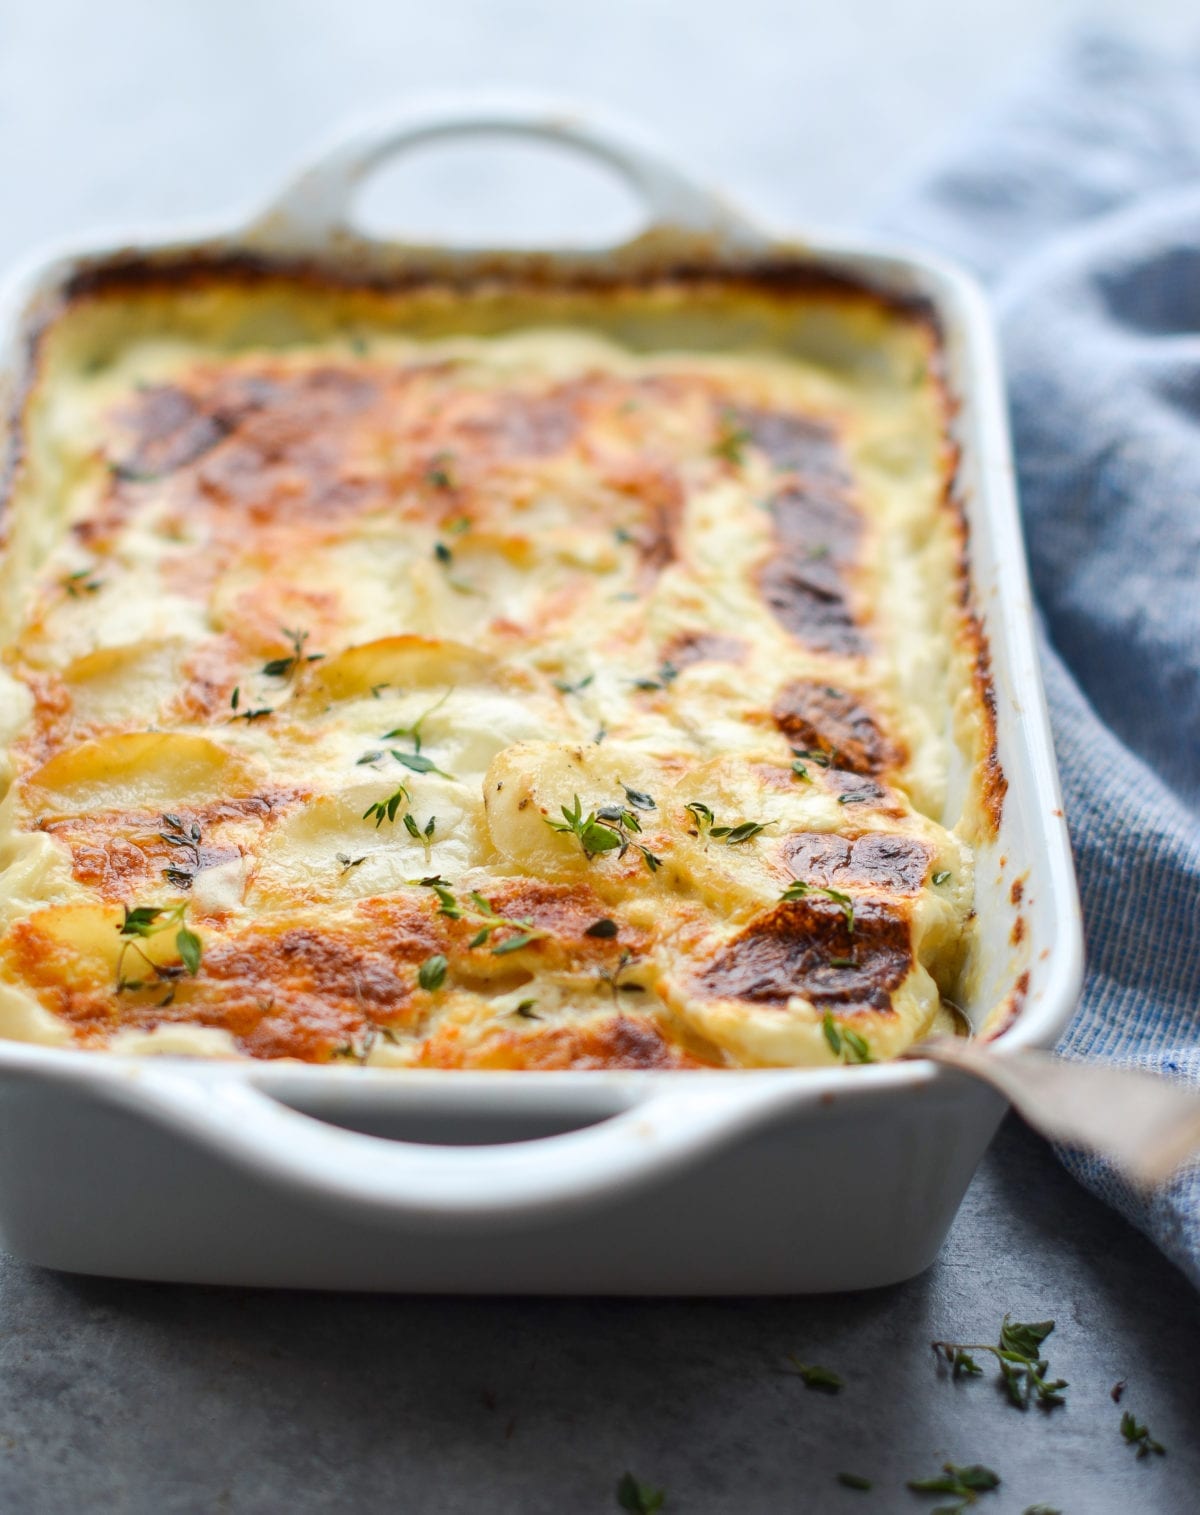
pixel 630 1182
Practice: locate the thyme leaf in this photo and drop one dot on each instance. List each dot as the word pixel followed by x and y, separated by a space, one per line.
pixel 798 889
pixel 386 810
pixel 813 1376
pixel 963 1483
pixel 431 975
pixel 639 1498
pixel 844 1042
pixel 481 913
pixel 145 921
pixel 1137 1435
pixel 81 582
pixel 667 674
pixel 732 438
pixel 732 836
pixel 287 668
pixel 1023 1369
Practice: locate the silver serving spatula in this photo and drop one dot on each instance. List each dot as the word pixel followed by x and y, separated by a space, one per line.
pixel 1144 1124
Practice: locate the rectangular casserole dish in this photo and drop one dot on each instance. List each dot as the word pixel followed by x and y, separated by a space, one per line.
pixel 772 1180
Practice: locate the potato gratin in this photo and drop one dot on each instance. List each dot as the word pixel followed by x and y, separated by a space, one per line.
pixel 449 680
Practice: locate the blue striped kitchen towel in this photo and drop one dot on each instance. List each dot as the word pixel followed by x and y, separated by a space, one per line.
pixel 1079 202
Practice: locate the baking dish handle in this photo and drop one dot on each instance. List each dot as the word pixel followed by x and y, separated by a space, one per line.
pixel 314 211
pixel 437 1186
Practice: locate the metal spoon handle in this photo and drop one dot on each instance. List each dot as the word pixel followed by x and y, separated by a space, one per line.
pixel 1144 1124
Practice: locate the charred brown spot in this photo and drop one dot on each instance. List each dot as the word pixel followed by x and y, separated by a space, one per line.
pixel 806 948
pixel 531 426
pixel 171 429
pixel 879 859
pixel 1017 892
pixel 835 721
pixel 1017 935
pixel 818 530
pixel 703 647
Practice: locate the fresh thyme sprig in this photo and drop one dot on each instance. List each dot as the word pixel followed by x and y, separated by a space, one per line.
pixel 802 756
pixel 187 839
pixel 1022 1367
pixel 613 979
pixel 235 700
pixel 732 836
pixel 1138 1435
pixel 81 582
pixel 431 975
pixel 564 686
pixel 386 810
pixel 439 474
pixel 287 668
pixel 667 674
pixel 145 921
pixel 482 914
pixel 964 1483
pixel 425 836
pixel 416 761
pixel 605 829
pixel 798 889
pixel 732 439
pixel 844 1042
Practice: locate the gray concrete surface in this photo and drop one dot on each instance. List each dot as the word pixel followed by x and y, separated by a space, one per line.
pixel 151 1400
pixel 168 1401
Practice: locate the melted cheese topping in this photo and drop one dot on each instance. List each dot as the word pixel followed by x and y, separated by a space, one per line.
pixel 523 700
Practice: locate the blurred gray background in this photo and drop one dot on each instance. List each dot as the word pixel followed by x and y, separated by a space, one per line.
pixel 164 1401
pixel 125 112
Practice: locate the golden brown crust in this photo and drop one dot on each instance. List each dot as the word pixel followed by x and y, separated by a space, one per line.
pixel 275 488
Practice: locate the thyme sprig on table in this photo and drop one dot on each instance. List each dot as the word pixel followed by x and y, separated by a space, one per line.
pixel 813 1376
pixel 145 921
pixel 1023 1369
pixel 963 1483
pixel 1138 1435
pixel 608 828
pixel 639 1498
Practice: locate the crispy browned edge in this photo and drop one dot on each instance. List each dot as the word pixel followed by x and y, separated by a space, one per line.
pixel 131 273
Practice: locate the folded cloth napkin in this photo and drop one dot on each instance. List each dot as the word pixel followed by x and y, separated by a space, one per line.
pixel 1079 202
